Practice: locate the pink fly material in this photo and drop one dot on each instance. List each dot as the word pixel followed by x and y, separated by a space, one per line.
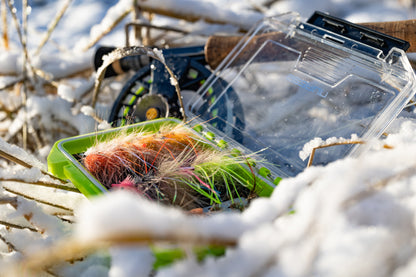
pixel 172 166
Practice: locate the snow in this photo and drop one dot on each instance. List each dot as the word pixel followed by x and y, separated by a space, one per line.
pixel 52 111
pixel 74 89
pixel 318 142
pixel 353 217
pixel 112 15
pixel 150 218
pixel 19 153
pixel 88 110
pixel 340 227
pixel 131 261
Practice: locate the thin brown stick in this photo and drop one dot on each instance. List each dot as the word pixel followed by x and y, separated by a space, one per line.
pixel 53 274
pixel 168 10
pixel 16 226
pixel 16 160
pixel 25 73
pixel 22 31
pixel 8 200
pixel 52 26
pixel 73 248
pixel 5 25
pixel 108 30
pixel 9 244
pixel 377 186
pixel 330 145
pixel 96 117
pixel 12 83
pixel 22 35
pixel 136 12
pixel 37 200
pixel 150 26
pixel 28 216
pixel 35 136
pixel 336 144
pixel 12 10
pixel 41 183
pixel 64 219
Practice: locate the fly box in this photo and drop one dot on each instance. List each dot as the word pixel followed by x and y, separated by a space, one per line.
pixel 67 158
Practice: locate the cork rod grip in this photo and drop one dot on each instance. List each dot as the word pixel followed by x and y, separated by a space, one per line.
pixel 405 30
pixel 218 47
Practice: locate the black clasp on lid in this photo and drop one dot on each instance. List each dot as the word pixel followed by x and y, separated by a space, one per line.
pixel 357 32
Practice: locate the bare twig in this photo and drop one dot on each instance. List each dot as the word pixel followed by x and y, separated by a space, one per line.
pixel 16 226
pixel 96 117
pixel 35 136
pixel 64 186
pixel 8 243
pixel 14 159
pixel 61 217
pixel 73 248
pixel 20 31
pixel 43 184
pixel 150 26
pixel 380 184
pixel 147 37
pixel 258 7
pixel 385 146
pixel 244 24
pixel 53 25
pixel 22 37
pixel 5 25
pixel 25 75
pixel 38 200
pixel 106 31
pixel 8 200
pixel 12 83
pixel 330 145
pixel 136 12
pixel 28 215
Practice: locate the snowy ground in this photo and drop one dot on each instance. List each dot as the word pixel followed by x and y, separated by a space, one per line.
pixel 354 217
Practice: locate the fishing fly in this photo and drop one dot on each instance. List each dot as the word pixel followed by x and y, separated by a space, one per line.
pixel 172 166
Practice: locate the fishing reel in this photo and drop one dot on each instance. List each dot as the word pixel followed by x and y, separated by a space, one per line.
pixel 149 93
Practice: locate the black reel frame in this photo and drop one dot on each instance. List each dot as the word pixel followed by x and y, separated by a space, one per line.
pixel 149 93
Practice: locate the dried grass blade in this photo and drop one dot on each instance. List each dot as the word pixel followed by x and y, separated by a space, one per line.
pixel 38 200
pixel 9 244
pixel 43 184
pixel 310 161
pixel 65 186
pixel 8 200
pixel 380 184
pixel 72 248
pixel 16 226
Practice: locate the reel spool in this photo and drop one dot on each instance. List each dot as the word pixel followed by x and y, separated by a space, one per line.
pixel 149 94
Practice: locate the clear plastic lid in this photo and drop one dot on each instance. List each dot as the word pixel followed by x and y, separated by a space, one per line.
pixel 295 82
